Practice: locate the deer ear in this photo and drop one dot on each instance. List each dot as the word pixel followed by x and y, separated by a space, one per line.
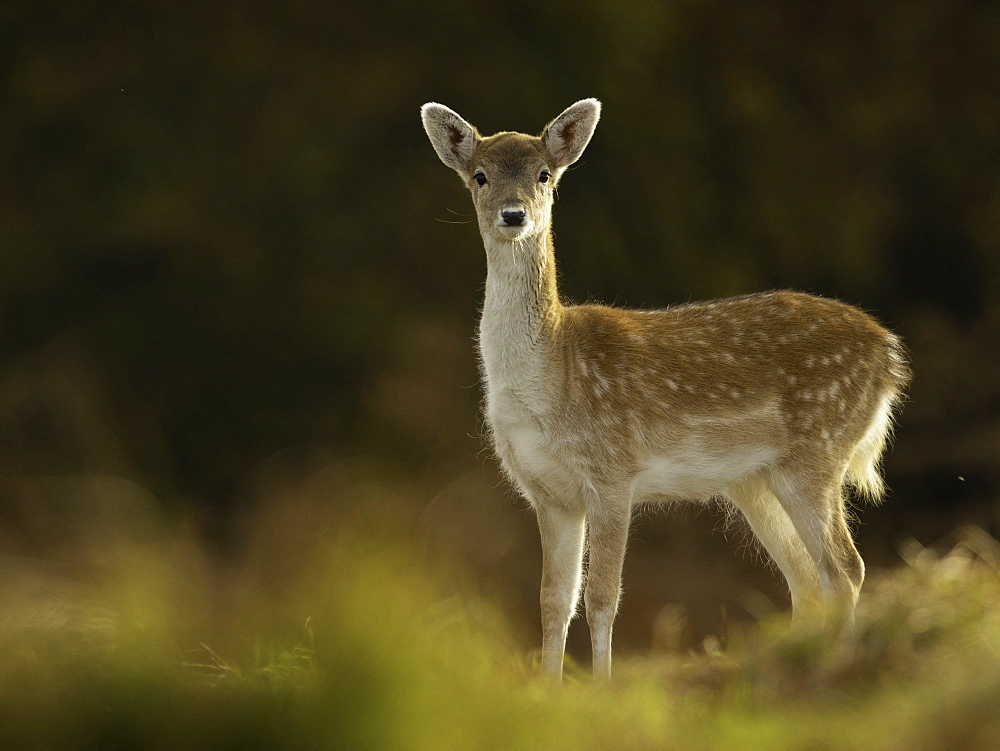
pixel 453 138
pixel 568 135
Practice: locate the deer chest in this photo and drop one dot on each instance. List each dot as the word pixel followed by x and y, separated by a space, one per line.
pixel 537 461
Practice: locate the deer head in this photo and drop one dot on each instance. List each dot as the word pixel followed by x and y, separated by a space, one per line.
pixel 512 177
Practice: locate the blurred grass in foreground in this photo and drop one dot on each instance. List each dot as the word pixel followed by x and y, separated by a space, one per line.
pixel 131 635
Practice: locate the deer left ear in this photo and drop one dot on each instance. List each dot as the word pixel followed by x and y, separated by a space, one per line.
pixel 568 135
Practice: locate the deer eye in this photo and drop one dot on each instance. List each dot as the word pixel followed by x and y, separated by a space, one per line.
pixel 480 178
pixel 544 177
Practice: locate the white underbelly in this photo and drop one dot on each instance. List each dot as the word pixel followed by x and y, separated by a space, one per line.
pixel 692 472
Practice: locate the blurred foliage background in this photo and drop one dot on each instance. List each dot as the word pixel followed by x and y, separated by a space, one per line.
pixel 232 268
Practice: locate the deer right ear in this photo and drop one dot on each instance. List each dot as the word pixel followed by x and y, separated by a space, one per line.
pixel 453 138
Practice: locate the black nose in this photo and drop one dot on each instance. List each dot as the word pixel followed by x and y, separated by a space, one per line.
pixel 512 217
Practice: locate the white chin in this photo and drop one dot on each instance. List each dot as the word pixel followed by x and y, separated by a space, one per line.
pixel 513 232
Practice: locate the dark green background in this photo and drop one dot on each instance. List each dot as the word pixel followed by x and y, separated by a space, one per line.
pixel 229 262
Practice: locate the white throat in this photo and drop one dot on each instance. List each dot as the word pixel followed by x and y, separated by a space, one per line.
pixel 521 310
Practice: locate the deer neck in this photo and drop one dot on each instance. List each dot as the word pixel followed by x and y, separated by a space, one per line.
pixel 521 311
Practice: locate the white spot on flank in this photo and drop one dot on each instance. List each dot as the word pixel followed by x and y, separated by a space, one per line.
pixel 602 384
pixel 672 384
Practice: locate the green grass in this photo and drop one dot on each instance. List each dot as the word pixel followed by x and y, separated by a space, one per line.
pixel 340 640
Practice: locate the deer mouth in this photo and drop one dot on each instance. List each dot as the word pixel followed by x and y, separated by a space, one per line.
pixel 513 231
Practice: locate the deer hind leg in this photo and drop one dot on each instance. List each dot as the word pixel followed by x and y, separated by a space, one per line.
pixel 817 511
pixel 772 526
pixel 562 534
pixel 608 535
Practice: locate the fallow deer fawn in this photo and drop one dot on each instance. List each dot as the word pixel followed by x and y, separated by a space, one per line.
pixel 773 401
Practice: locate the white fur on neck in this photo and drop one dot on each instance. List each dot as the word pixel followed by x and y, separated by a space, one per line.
pixel 519 313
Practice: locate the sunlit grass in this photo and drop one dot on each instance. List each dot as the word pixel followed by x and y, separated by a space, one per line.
pixel 323 637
